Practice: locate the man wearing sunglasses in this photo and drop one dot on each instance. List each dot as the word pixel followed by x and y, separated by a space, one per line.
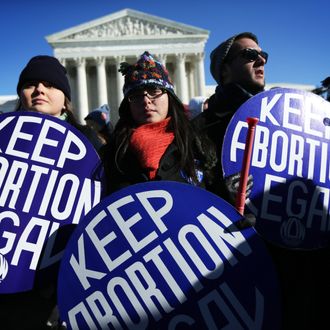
pixel 238 66
pixel 240 61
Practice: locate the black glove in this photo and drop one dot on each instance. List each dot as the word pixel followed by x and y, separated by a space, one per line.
pixel 232 184
pixel 248 221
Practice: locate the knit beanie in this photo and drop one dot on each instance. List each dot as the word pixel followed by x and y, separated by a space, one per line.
pixel 219 54
pixel 195 106
pixel 145 72
pixel 45 68
pixel 100 115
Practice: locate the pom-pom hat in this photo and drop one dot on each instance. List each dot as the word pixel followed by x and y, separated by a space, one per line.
pixel 45 68
pixel 145 72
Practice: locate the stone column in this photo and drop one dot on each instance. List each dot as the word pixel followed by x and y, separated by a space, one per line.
pixel 191 80
pixel 82 89
pixel 200 74
pixel 102 92
pixel 120 79
pixel 62 61
pixel 181 78
pixel 162 58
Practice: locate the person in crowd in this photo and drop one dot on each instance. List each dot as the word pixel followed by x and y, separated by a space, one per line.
pixel 238 66
pixel 154 139
pixel 99 120
pixel 43 86
pixel 197 105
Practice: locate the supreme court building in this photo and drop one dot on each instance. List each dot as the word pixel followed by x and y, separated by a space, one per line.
pixel 93 51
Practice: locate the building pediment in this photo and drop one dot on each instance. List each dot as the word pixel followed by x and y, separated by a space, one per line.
pixel 126 24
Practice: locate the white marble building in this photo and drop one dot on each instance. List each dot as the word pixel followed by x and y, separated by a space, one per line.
pixel 93 51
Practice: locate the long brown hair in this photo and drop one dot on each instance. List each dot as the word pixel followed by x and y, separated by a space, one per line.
pixel 186 140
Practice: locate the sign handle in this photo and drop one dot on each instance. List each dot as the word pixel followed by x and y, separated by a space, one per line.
pixel 240 198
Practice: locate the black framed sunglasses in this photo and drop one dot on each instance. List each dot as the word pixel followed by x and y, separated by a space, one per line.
pixel 250 54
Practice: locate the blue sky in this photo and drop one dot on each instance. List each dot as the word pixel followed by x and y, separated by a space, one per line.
pixel 295 33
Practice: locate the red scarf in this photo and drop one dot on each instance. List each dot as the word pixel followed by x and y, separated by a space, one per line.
pixel 149 142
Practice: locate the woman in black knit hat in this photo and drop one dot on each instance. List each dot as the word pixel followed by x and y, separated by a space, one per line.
pixel 153 139
pixel 43 87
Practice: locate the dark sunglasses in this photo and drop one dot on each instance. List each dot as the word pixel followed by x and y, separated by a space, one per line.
pixel 250 54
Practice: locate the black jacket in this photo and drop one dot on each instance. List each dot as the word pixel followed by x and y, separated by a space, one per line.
pixel 131 172
pixel 303 275
pixel 90 134
pixel 213 123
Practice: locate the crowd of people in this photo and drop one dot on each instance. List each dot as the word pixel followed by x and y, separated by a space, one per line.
pixel 155 139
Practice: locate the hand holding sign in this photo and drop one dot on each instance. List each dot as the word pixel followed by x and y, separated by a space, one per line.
pixel 290 195
pixel 43 187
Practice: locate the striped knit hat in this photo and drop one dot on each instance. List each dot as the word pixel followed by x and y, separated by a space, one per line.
pixel 146 71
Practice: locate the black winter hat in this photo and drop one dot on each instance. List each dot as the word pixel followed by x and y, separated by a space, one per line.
pixel 219 54
pixel 45 68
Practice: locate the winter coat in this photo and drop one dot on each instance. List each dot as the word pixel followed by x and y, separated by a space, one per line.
pixel 90 134
pixel 303 275
pixel 132 173
pixel 213 123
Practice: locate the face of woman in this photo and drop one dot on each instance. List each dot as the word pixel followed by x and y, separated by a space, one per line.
pixel 42 97
pixel 149 105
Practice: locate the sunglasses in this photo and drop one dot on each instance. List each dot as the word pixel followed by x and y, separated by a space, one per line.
pixel 250 54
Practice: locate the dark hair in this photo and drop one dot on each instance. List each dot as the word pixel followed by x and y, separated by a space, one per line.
pixel 188 143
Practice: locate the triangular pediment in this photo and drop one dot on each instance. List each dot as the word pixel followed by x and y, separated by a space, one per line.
pixel 124 24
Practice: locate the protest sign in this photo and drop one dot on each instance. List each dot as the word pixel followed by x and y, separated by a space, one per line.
pixel 50 177
pixel 289 164
pixel 166 255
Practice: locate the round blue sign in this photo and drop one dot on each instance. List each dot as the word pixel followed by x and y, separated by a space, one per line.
pixel 289 164
pixel 166 255
pixel 50 177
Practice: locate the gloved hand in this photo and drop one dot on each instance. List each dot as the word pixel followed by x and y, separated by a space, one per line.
pixel 248 221
pixel 232 184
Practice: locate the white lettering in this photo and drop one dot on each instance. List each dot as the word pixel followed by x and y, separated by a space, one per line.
pixel 10 237
pixel 79 266
pixel 100 244
pixel 43 140
pixel 36 247
pixel 148 291
pixel 71 141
